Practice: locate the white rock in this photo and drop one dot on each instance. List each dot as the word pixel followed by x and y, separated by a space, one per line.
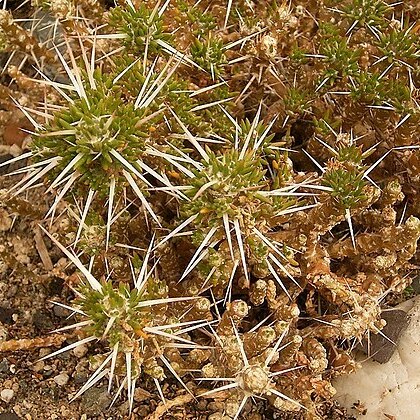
pixel 392 388
pixel 61 379
pixel 7 395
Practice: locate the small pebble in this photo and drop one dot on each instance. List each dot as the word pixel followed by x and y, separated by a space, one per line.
pixel 7 394
pixel 61 312
pixel 4 366
pixel 80 378
pixel 38 366
pixel 95 401
pixel 80 350
pixel 201 405
pixel 61 379
pixel 44 352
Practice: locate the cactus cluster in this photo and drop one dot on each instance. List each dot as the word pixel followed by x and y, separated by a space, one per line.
pixel 234 181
